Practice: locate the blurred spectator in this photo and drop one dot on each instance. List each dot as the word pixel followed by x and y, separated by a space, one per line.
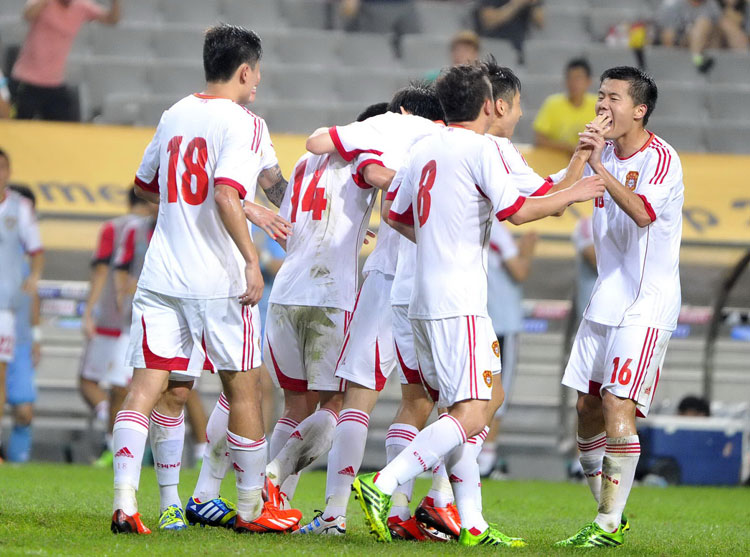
pixel 4 97
pixel 40 68
pixel 586 273
pixel 694 406
pixel 464 49
pixel 563 115
pixel 509 20
pixel 381 16
pixel 700 24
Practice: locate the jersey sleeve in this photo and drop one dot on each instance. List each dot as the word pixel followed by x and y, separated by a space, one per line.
pixel 92 11
pixel 356 138
pixel 268 158
pixel 400 192
pixel 105 244
pixel 502 241
pixel 29 229
pixel 147 176
pixel 496 185
pixel 125 252
pixel 237 157
pixel 661 174
pixel 527 182
pixel 361 161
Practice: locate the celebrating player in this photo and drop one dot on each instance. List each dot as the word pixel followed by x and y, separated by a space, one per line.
pixel 621 343
pixel 455 183
pixel 201 278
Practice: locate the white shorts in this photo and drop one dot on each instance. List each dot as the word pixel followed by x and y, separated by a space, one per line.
pixel 367 357
pixel 7 335
pixel 457 356
pixel 406 356
pixel 104 360
pixel 187 336
pixel 302 345
pixel 626 361
pixel 509 358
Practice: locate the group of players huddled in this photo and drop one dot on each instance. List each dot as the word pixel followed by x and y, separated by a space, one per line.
pixel 443 159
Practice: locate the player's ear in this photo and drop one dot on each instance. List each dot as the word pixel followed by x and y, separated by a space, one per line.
pixel 500 107
pixel 640 111
pixel 488 107
pixel 244 72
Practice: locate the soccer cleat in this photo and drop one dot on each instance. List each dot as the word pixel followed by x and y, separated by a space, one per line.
pixel 172 519
pixel 270 520
pixel 272 494
pixel 491 536
pixel 443 519
pixel 406 530
pixel 216 512
pixel 105 459
pixel 335 526
pixel 375 504
pixel 593 535
pixel 624 524
pixel 126 524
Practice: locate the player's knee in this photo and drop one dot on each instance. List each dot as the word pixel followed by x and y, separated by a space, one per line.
pixel 23 414
pixel 589 408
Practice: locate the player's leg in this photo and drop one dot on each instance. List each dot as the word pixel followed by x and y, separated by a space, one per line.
pixel 7 348
pixel 118 375
pixel 19 443
pixel 196 415
pixel 93 371
pixel 21 394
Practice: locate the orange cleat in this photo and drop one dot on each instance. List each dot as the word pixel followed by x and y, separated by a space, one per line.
pixel 405 530
pixel 270 520
pixel 443 519
pixel 272 494
pixel 125 524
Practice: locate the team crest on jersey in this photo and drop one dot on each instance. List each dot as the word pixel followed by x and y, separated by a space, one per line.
pixel 487 376
pixel 496 348
pixel 631 179
pixel 10 222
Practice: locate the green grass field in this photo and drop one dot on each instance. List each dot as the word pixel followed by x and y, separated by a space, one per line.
pixel 65 510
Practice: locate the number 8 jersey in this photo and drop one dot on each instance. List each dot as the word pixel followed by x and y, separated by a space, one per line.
pixel 201 142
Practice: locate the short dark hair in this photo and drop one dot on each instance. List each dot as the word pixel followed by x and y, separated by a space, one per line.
pixel 4 154
pixel 504 82
pixel 372 110
pixel 642 88
pixel 578 63
pixel 418 98
pixel 696 404
pixel 24 191
pixel 226 48
pixel 462 91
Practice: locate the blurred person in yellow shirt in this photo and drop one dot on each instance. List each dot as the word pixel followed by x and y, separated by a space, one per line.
pixel 563 115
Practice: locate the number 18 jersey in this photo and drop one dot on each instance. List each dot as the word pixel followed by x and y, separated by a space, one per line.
pixel 200 142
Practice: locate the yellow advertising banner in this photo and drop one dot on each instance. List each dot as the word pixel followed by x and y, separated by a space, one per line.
pixel 80 170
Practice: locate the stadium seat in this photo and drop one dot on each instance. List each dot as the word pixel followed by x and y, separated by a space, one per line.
pixel 425 52
pixel 122 40
pixel 309 47
pixel 524 131
pixel 121 109
pixel 12 8
pixel 671 64
pixel 308 14
pixel 601 20
pixel 444 17
pixel 564 24
pixel 179 43
pixel 365 86
pixel 344 113
pixel 300 83
pixel 681 100
pixel 176 77
pixel 199 12
pixel 366 50
pixel 113 75
pixel 152 108
pixel 602 57
pixel 82 43
pixel 580 4
pixel 641 8
pixel 300 117
pixel 682 134
pixel 729 103
pixel 549 57
pixel 535 89
pixel 503 51
pixel 730 67
pixel 140 11
pixel 254 14
pixel 728 137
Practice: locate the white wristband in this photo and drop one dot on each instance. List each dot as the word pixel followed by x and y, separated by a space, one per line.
pixel 36 333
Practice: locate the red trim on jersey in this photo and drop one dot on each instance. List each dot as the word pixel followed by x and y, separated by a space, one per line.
pixel 495 247
pixel 367 162
pixel 286 382
pixel 513 209
pixel 360 181
pixel 108 332
pixel 208 97
pixel 348 156
pixel 128 252
pixel 502 158
pixel 152 186
pixel 644 352
pixel 411 375
pixel 232 184
pixel 645 145
pixel 649 208
pixel 106 244
pixel 544 188
pixel 481 192
pixel 595 389
pixel 434 394
pixel 391 195
pixel 157 362
pixel 207 365
pixel 406 217
pixel 252 336
pixel 379 377
pixel 34 252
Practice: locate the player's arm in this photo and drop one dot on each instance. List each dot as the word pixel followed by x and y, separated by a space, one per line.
pixel 97 280
pixel 112 16
pixel 397 205
pixel 33 8
pixel 492 18
pixel 230 211
pixel 277 227
pixel 535 208
pixel 378 176
pixel 320 142
pixel 519 266
pixel 273 183
pixel 36 332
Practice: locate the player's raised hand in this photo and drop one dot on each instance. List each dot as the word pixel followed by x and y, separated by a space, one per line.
pixel 595 141
pixel 587 188
pixel 600 124
pixel 272 224
pixel 254 288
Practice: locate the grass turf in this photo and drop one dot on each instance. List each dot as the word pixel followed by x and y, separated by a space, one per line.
pixel 65 510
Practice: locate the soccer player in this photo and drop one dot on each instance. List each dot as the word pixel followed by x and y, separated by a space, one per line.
pixel 455 184
pixel 20 238
pixel 103 323
pixel 201 279
pixel 621 343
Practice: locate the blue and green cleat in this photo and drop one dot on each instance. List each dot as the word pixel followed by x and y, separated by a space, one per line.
pixel 217 512
pixel 172 519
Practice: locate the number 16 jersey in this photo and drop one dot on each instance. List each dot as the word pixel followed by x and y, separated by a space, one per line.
pixel 201 142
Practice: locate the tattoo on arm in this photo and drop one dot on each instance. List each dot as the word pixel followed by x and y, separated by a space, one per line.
pixel 273 183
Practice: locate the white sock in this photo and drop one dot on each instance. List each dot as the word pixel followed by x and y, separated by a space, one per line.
pixel 344 460
pixel 433 442
pixel 281 432
pixel 590 455
pixel 311 439
pixel 441 492
pixel 216 461
pixel 289 487
pixel 101 411
pixel 129 440
pixel 249 462
pixel 198 450
pixel 397 438
pixel 618 471
pixel 467 486
pixel 167 436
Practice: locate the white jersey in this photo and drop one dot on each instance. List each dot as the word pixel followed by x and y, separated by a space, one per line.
pixel 639 274
pixel 527 182
pixel 329 206
pixel 200 142
pixel 504 293
pixel 452 187
pixel 19 235
pixel 390 136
